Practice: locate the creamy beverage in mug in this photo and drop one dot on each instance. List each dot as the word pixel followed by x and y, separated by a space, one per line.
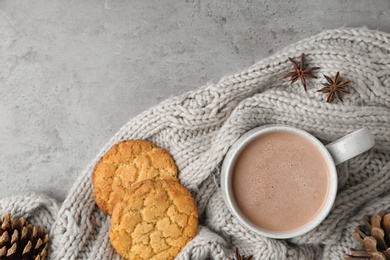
pixel 281 181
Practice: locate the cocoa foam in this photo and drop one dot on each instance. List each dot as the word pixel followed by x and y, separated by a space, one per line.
pixel 280 181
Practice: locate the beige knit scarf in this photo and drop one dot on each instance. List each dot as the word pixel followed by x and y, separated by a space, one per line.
pixel 198 128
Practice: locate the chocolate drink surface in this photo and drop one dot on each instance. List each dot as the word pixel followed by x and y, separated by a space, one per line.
pixel 280 181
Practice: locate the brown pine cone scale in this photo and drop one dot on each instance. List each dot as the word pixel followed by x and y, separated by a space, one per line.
pixel 374 236
pixel 21 240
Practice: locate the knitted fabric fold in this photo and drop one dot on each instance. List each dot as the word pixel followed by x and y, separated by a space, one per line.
pixel 198 128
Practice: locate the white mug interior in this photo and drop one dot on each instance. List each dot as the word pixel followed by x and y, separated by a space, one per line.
pixel 226 181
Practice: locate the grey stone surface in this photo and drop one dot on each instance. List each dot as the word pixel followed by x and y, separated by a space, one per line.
pixel 73 72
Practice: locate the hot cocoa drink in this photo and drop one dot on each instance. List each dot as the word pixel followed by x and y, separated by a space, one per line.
pixel 280 181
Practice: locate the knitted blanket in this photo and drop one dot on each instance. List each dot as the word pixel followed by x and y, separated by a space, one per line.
pixel 198 128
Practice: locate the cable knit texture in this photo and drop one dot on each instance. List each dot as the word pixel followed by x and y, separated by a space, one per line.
pixel 198 128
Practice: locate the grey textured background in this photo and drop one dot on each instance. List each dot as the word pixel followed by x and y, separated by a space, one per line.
pixel 73 72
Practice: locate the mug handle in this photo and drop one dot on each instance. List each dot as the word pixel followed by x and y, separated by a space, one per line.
pixel 351 145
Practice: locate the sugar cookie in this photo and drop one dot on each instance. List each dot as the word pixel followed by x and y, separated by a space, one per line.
pixel 155 220
pixel 126 163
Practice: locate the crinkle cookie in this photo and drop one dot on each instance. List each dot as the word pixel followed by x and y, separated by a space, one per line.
pixel 155 220
pixel 126 163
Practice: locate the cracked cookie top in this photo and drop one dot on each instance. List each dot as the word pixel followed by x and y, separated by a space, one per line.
pixel 126 163
pixel 155 220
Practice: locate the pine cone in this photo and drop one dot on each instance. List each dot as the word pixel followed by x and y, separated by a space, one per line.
pixel 21 240
pixel 374 236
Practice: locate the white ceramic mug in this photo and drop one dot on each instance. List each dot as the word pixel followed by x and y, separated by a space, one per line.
pixel 334 153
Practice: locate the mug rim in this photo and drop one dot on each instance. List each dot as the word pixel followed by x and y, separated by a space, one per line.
pixel 226 181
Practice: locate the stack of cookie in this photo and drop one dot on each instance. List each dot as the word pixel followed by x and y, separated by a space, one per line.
pixel 152 215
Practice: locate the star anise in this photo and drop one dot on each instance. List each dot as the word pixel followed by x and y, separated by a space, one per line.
pixel 238 256
pixel 299 72
pixel 335 87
